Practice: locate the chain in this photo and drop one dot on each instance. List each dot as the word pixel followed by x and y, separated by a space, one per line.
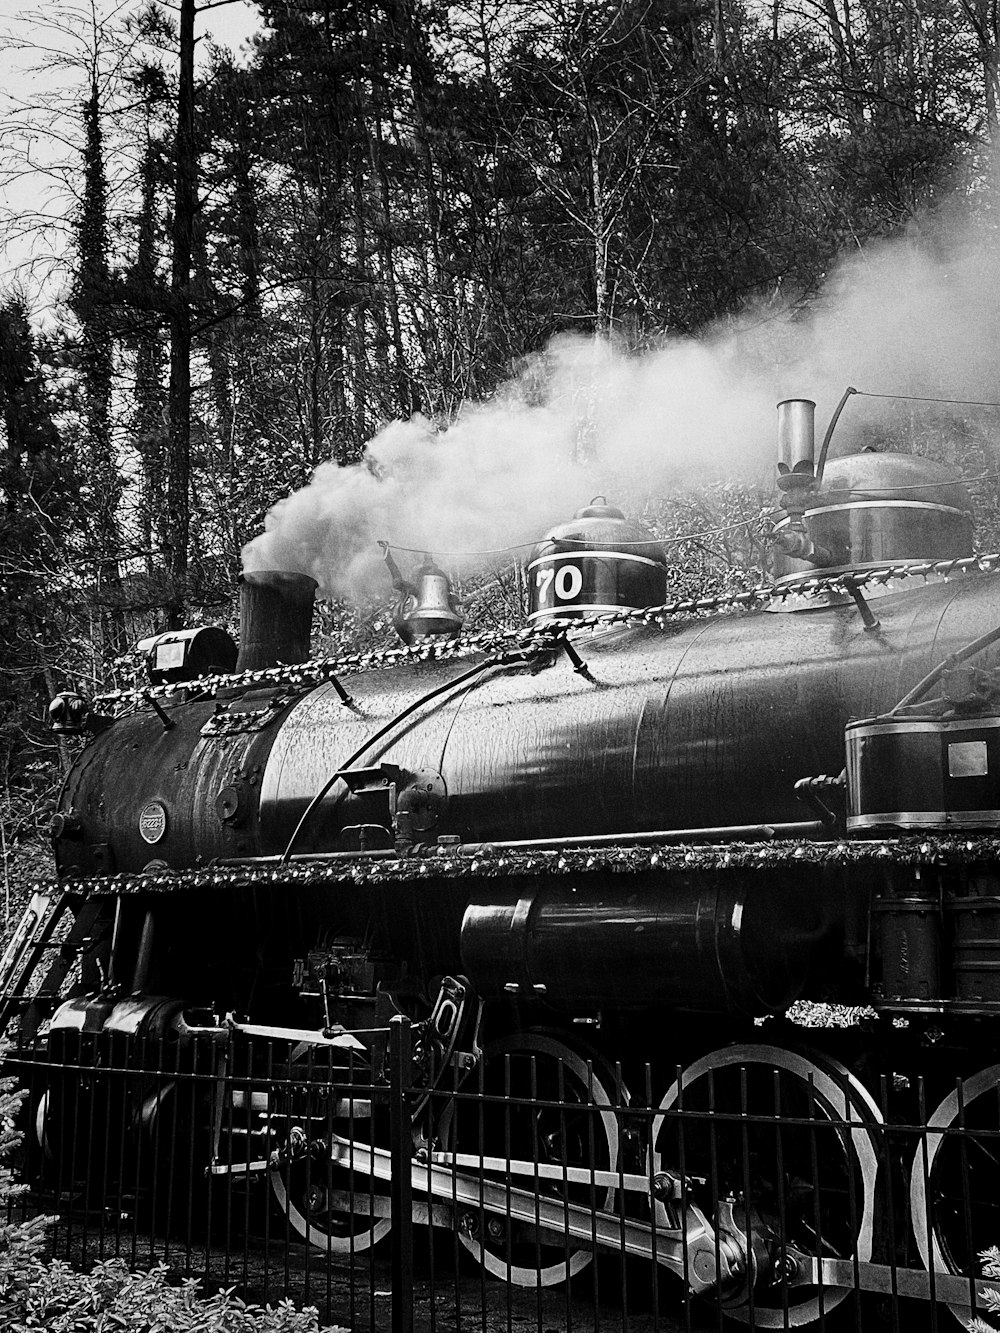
pixel 540 638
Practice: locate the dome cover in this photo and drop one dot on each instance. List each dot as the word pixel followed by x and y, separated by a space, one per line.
pixel 876 509
pixel 599 561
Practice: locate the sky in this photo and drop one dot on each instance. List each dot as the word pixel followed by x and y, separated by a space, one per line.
pixel 33 56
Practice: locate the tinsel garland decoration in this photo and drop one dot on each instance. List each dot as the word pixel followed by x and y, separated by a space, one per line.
pixel 451 863
pixel 541 638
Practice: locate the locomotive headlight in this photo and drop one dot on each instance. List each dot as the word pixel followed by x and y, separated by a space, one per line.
pixel 70 714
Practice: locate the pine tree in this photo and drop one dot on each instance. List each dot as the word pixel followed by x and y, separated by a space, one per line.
pixel 92 304
pixel 39 503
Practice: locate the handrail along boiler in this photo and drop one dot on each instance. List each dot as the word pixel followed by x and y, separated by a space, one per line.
pixel 544 846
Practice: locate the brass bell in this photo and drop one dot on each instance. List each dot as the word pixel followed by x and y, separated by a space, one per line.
pixel 426 607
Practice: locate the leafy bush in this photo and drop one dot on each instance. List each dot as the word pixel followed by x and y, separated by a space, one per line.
pixel 110 1299
pixel 38 1293
pixel 990 1260
pixel 21 1243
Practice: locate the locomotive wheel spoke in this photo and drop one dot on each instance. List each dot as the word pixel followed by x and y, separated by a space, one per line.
pixel 308 1194
pixel 788 1149
pixel 955 1184
pixel 574 1127
pixel 309 1189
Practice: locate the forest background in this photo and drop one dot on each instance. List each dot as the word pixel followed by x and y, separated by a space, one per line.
pixel 389 209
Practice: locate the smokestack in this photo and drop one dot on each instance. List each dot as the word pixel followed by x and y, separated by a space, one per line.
pixel 797 436
pixel 275 618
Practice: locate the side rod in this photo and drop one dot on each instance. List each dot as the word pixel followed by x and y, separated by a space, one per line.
pixel 704 1267
pixel 692 1254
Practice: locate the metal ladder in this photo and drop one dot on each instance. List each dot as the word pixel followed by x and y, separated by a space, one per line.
pixel 30 943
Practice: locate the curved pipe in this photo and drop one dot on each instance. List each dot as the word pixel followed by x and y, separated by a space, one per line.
pixel 661 837
pixel 805 828
pixel 825 447
pixel 376 736
pixel 933 676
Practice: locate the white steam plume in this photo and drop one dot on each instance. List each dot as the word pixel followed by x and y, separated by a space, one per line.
pixel 896 318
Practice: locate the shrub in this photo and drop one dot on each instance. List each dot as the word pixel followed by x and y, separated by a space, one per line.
pixel 990 1260
pixel 21 1243
pixel 38 1293
pixel 110 1299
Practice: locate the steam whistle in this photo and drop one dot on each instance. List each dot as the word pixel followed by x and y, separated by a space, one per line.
pixel 797 481
pixel 426 608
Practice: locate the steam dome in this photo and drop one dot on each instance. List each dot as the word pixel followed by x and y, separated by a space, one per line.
pixel 598 561
pixel 877 509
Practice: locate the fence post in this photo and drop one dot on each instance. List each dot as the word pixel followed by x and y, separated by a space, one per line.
pixel 401 1185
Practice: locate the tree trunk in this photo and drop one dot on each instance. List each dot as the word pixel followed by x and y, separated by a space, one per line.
pixel 602 314
pixel 92 305
pixel 179 394
pixel 148 379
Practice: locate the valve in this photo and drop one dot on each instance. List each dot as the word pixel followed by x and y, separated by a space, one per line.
pixel 800 546
pixel 798 494
pixel 294 1149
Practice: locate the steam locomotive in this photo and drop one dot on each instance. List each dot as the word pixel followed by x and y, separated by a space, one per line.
pixel 548 846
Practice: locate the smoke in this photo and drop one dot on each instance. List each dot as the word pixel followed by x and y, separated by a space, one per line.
pixel 906 317
pixel 901 317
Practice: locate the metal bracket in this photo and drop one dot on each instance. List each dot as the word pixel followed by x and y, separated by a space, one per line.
pixel 240 717
pixel 369 810
pixel 369 779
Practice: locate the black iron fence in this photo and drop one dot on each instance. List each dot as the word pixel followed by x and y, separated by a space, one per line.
pixel 534 1190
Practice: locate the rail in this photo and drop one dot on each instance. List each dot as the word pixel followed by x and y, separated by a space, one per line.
pixel 448 862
